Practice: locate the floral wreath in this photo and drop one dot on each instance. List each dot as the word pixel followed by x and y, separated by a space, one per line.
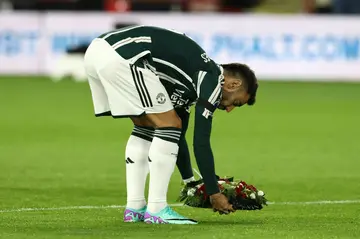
pixel 240 194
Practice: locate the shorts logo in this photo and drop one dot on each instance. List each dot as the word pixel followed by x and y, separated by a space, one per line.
pixel 161 98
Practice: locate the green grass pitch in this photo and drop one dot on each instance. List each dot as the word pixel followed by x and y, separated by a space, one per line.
pixel 299 143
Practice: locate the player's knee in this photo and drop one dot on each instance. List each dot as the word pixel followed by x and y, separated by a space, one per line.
pixel 167 119
pixel 173 121
pixel 176 122
pixel 141 121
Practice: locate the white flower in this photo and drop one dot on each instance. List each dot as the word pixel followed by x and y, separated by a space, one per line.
pixel 260 193
pixel 252 196
pixel 221 182
pixel 191 192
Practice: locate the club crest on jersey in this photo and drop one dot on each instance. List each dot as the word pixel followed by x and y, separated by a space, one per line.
pixel 161 99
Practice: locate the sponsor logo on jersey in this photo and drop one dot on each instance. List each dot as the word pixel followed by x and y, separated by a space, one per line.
pixel 177 100
pixel 161 99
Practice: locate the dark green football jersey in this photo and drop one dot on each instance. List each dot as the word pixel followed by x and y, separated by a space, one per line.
pixel 186 72
pixel 181 64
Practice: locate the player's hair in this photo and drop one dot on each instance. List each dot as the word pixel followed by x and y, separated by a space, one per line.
pixel 242 71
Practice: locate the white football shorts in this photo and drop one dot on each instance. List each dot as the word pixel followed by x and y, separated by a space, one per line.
pixel 119 88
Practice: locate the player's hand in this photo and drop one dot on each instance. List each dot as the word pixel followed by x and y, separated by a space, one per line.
pixel 221 204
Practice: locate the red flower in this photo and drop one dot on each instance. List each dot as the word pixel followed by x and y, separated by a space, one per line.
pixel 243 195
pixel 202 187
pixel 205 196
pixel 241 186
pixel 243 183
pixel 202 191
pixel 251 187
pixel 238 190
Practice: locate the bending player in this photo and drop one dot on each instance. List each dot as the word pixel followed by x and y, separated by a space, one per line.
pixel 152 76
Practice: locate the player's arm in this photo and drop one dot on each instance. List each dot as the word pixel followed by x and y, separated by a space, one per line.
pixel 183 161
pixel 208 92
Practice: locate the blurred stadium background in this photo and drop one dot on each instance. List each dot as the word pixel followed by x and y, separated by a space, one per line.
pixel 62 172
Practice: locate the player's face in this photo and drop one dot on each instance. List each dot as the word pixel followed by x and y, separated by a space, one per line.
pixel 234 95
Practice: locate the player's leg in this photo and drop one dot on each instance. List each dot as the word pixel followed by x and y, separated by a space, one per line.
pixel 183 160
pixel 162 160
pixel 162 157
pixel 164 147
pixel 137 168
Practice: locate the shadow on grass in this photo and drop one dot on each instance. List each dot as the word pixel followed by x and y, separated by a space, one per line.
pixel 231 222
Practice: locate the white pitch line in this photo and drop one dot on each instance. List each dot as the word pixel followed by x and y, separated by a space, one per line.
pixel 172 205
pixel 316 202
pixel 69 208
